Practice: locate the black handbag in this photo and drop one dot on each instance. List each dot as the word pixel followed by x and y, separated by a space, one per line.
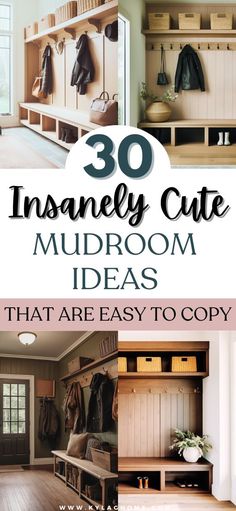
pixel 161 77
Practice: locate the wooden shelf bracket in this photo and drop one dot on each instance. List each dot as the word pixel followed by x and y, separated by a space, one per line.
pixel 54 37
pixel 97 23
pixel 70 31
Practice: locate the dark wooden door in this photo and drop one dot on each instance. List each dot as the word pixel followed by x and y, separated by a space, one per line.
pixel 14 422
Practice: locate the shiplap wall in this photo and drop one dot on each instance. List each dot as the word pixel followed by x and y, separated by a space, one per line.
pixel 219 100
pixel 104 55
pixel 147 419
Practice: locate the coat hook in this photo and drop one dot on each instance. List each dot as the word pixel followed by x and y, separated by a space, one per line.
pixel 209 47
pixel 199 47
pixel 153 47
pixel 150 391
pixel 133 390
pixel 181 46
pixel 171 46
pixel 218 46
pixel 228 48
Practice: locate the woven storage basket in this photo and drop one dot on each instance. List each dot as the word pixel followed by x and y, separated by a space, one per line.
pixel 66 12
pixel 122 365
pixel 87 5
pixel 47 22
pixel 31 30
pixel 149 364
pixel 189 21
pixel 104 459
pixel 77 363
pixel 159 21
pixel 108 345
pixel 184 364
pixel 222 21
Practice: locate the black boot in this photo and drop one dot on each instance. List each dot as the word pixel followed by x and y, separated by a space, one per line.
pixel 70 137
pixel 63 134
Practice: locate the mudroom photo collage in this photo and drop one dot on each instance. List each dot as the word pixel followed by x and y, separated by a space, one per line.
pixel 117 420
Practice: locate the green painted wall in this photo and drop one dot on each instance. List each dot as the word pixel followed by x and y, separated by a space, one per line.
pixel 39 369
pixel 134 11
pixel 90 348
pixel 56 370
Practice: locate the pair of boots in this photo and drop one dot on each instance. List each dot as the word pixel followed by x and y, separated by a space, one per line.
pixel 68 136
pixel 223 141
pixel 143 483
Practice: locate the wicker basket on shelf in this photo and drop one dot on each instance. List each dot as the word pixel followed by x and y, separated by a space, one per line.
pixel 87 5
pixel 66 12
pixel 184 364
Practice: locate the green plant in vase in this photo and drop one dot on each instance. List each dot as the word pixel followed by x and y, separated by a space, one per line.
pixel 158 109
pixel 190 446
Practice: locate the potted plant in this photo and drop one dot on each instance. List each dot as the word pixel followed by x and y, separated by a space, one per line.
pixel 190 446
pixel 158 109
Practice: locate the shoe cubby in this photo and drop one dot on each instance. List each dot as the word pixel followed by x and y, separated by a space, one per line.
pixel 34 118
pixel 24 114
pixel 214 135
pixel 192 482
pixel 130 482
pixel 163 135
pixel 49 124
pixel 165 475
pixel 189 136
pixel 67 133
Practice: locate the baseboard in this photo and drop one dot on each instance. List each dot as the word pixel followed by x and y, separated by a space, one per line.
pixel 42 461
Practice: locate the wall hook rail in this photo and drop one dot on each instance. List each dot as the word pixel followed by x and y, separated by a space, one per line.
pixel 202 46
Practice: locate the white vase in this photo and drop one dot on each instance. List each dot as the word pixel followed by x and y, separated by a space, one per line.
pixel 191 454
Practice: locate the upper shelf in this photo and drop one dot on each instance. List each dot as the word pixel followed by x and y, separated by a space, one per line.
pixel 94 15
pixel 92 365
pixel 202 32
pixel 199 374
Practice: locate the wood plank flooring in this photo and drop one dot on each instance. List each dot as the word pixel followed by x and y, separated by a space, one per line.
pixel 172 503
pixel 36 490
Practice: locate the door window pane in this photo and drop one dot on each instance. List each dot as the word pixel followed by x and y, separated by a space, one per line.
pixel 14 427
pixel 22 390
pixel 14 389
pixel 6 415
pixel 6 389
pixel 21 415
pixel 6 428
pixel 21 427
pixel 14 402
pixel 21 402
pixel 6 402
pixel 13 415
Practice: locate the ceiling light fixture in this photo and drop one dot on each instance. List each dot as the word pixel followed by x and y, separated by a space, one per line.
pixel 27 338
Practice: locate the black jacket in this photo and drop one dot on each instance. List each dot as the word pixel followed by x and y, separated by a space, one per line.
pixel 83 71
pixel 189 74
pixel 100 404
pixel 47 82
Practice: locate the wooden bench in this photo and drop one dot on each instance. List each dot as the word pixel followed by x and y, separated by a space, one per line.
pixel 105 478
pixel 163 474
pixel 48 120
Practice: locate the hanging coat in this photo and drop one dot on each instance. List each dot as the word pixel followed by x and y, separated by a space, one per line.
pixel 99 417
pixel 48 420
pixel 47 84
pixel 74 408
pixel 83 71
pixel 189 74
pixel 115 404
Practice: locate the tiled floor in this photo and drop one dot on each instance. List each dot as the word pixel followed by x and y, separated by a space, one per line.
pixel 51 151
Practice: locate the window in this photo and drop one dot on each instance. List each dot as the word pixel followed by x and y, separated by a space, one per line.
pixel 14 420
pixel 5 58
pixel 124 70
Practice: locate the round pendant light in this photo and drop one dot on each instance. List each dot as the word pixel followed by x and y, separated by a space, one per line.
pixel 27 338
